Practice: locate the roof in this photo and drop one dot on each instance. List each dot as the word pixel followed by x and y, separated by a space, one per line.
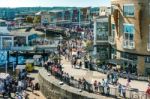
pixel 2 20
pixel 20 67
pixel 30 61
pixel 41 12
pixel 55 11
pixel 4 30
pixel 37 56
pixel 21 32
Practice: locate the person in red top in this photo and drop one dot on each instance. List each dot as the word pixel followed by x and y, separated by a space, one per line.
pixel 148 91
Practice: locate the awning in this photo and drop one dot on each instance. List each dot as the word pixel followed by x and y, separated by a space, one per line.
pixel 20 67
pixel 4 75
pixel 37 56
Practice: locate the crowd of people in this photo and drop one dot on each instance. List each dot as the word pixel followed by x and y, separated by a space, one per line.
pixel 17 86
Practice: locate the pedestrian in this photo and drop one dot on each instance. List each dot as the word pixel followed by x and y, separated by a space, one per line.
pixel 32 88
pixel 119 89
pixel 95 86
pixel 79 84
pixel 100 87
pixel 80 64
pixel 124 91
pixel 148 92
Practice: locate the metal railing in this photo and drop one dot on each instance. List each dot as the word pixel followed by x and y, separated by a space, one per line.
pixel 102 90
pixel 128 44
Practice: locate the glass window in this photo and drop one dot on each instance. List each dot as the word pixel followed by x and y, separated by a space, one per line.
pixel 113 26
pixel 128 10
pixel 128 30
pixel 147 59
pixel 128 56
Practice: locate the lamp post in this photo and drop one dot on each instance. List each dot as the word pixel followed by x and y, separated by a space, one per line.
pixel 59 49
pixel 45 34
pixel 13 66
pixel 6 67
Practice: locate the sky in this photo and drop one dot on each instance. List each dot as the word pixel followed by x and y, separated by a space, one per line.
pixel 52 3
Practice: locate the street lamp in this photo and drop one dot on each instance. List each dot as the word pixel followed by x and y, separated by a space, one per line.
pixel 45 34
pixel 58 48
pixel 6 67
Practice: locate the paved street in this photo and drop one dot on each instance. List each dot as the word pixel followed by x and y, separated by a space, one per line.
pixel 94 75
pixel 35 94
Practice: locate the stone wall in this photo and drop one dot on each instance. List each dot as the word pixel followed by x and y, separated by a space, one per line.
pixel 51 89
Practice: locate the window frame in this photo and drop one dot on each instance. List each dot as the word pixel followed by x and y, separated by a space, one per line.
pixel 128 41
pixel 128 10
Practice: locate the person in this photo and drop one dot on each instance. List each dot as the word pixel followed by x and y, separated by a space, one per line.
pixel 100 87
pixel 148 91
pixel 119 88
pixel 103 85
pixel 80 64
pixel 84 83
pixel 124 91
pixel 79 83
pixel 95 86
pixel 32 87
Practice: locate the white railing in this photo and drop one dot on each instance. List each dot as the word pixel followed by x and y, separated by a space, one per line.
pixel 111 40
pixel 148 46
pixel 128 44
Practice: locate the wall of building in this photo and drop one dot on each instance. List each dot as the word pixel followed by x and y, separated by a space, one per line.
pixel 141 21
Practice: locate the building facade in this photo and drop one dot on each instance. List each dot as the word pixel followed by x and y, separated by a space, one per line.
pixel 130 34
pixel 101 31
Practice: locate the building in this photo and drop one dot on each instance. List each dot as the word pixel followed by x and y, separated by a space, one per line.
pixel 130 34
pixel 102 48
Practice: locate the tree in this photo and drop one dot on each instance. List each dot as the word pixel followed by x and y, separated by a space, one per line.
pixel 37 19
pixel 89 45
pixel 29 19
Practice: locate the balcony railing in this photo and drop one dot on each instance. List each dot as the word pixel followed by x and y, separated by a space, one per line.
pixel 128 44
pixel 148 46
pixel 102 38
pixel 111 40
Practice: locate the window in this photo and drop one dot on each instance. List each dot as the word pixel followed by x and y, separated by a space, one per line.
pixel 147 59
pixel 113 26
pixel 128 30
pixel 128 56
pixel 128 10
pixel 102 30
pixel 112 32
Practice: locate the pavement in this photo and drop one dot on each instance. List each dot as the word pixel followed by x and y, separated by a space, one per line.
pixel 35 94
pixel 91 76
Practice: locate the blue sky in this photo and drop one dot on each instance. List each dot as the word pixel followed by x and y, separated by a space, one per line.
pixel 51 3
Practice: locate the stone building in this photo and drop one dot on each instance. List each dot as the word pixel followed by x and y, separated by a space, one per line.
pixel 130 34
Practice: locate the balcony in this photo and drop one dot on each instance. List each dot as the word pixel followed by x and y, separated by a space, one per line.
pixel 102 38
pixel 111 40
pixel 148 46
pixel 127 44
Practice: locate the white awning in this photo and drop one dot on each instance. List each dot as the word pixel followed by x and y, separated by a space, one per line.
pixel 4 75
pixel 20 67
